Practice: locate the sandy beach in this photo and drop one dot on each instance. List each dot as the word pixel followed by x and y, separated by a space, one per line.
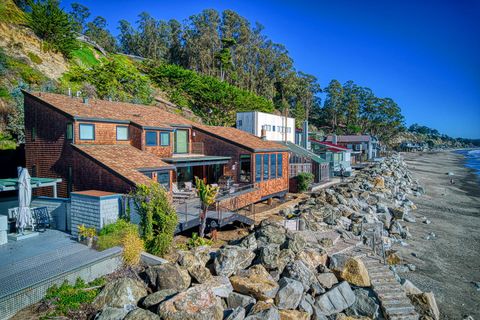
pixel 449 262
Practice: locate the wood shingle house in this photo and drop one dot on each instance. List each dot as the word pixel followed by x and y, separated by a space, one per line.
pixel 113 146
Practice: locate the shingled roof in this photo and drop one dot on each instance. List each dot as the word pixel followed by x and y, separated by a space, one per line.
pixel 124 160
pixel 147 116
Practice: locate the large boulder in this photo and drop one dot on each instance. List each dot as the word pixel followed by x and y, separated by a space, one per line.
pixel 169 276
pixel 425 304
pixel 230 259
pixel 141 314
pixel 236 299
pixel 285 256
pixel 271 232
pixel 366 304
pixel 295 242
pixel 313 258
pixel 197 256
pixel 122 293
pixel 270 313
pixel 289 294
pixel 109 313
pixel 306 304
pixel 256 282
pixel 155 298
pixel 297 270
pixel 355 272
pixel 249 242
pixel 268 256
pixel 327 279
pixel 293 315
pixel 196 303
pixel 409 287
pixel 199 273
pixel 220 285
pixel 335 300
pixel 234 314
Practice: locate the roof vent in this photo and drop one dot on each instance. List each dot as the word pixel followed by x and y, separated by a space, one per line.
pixel 85 100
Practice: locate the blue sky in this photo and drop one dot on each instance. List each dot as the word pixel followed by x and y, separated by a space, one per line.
pixel 423 54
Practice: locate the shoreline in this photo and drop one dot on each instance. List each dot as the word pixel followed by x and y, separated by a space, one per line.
pixel 448 262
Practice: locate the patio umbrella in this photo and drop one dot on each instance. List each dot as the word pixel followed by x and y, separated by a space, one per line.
pixel 24 218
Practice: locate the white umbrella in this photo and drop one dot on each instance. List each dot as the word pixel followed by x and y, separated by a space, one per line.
pixel 24 217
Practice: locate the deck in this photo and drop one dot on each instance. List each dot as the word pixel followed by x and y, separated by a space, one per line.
pixel 188 213
pixel 28 267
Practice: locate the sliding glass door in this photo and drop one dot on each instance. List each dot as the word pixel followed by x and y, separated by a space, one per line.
pixel 181 141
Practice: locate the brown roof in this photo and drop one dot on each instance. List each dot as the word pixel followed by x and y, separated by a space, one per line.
pixel 243 138
pixel 124 160
pixel 148 116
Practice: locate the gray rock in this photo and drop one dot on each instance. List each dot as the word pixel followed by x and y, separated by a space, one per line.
pixel 230 259
pixel 295 242
pixel 141 314
pixel 285 256
pixel 235 314
pixel 249 242
pixel 157 297
pixel 327 280
pixel 306 304
pixel 220 285
pixel 169 276
pixel 268 256
pixel 235 300
pixel 271 232
pixel 336 299
pixel 122 293
pixel 297 270
pixel 409 218
pixel 109 313
pixel 267 314
pixel 200 273
pixel 289 294
pixel 365 305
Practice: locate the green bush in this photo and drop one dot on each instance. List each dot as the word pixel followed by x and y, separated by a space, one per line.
pixel 67 297
pixel 158 217
pixel 112 234
pixel 304 181
pixel 197 241
pixel 34 58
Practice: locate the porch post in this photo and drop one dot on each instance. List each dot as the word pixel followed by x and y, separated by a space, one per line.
pixel 55 190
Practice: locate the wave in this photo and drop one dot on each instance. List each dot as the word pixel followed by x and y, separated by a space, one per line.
pixel 474 153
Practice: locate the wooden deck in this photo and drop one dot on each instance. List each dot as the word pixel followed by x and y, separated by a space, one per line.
pixel 188 213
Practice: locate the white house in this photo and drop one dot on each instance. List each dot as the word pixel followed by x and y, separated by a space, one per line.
pixel 274 127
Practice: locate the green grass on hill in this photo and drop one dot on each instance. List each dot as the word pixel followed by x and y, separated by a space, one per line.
pixel 85 57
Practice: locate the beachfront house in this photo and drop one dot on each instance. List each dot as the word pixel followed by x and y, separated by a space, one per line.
pixel 113 146
pixel 337 156
pixel 363 147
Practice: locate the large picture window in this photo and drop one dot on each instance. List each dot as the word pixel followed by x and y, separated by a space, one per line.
pixel 258 167
pixel 164 138
pixel 151 138
pixel 265 167
pixel 245 171
pixel 181 141
pixel 164 179
pixel 87 131
pixel 279 165
pixel 122 133
pixel 273 166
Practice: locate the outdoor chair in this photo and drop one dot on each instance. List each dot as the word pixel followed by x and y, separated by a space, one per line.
pixel 42 218
pixel 181 194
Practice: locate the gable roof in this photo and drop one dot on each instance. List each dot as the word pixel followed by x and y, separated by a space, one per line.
pixel 124 160
pixel 146 117
pixel 330 146
pixel 350 138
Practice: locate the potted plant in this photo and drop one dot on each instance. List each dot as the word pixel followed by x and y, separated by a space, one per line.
pixel 87 233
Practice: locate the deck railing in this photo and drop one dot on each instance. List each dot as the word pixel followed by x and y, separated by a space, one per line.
pixel 297 168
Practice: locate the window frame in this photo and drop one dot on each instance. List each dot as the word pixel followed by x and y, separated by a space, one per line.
pixel 69 126
pixel 279 165
pixel 164 173
pixel 91 125
pixel 258 167
pixel 266 175
pixel 128 133
pixel 168 139
pixel 273 166
pixel 187 142
pixel 146 138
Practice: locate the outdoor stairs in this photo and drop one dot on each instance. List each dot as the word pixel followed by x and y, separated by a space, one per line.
pixel 393 300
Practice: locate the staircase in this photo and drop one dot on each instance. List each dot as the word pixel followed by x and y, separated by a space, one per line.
pixel 393 300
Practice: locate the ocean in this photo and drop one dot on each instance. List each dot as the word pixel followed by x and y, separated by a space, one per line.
pixel 472 159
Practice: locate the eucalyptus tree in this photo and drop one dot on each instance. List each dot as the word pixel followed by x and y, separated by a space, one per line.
pixel 80 14
pixel 97 31
pixel 334 106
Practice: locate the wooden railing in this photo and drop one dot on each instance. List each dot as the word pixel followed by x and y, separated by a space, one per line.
pixel 297 168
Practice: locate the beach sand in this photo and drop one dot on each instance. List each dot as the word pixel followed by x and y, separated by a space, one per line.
pixel 448 263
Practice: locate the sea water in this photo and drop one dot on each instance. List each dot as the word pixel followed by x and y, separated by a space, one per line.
pixel 472 159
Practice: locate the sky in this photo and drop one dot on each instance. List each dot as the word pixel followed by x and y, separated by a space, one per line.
pixel 423 54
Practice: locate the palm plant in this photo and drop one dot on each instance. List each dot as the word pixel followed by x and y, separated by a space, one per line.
pixel 207 194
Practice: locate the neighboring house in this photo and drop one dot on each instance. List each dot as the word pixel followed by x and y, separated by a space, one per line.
pixel 339 157
pixel 409 146
pixel 266 125
pixel 364 147
pixel 114 146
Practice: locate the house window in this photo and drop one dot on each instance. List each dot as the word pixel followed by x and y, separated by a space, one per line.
pixel 87 131
pixel 181 141
pixel 69 133
pixel 245 168
pixel 122 133
pixel 258 167
pixel 164 138
pixel 273 166
pixel 265 167
pixel 273 128
pixel 151 138
pixel 279 165
pixel 164 179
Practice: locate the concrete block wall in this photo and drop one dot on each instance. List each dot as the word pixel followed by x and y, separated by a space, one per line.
pixel 59 210
pixel 3 230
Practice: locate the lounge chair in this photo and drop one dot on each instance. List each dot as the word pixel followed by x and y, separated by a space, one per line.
pixel 41 217
pixel 181 194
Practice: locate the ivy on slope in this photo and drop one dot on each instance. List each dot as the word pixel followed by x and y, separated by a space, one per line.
pixel 215 101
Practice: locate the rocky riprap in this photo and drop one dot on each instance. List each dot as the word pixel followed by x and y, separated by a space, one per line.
pixel 325 270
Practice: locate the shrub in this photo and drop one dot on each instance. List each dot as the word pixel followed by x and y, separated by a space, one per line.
pixel 158 217
pixel 112 235
pixel 197 241
pixel 67 297
pixel 132 248
pixel 304 180
pixel 34 58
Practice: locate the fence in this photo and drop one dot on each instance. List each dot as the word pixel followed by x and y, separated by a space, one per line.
pixel 297 168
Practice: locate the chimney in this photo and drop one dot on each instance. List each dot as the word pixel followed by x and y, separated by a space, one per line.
pixel 85 100
pixel 334 138
pixel 305 134
pixel 263 134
